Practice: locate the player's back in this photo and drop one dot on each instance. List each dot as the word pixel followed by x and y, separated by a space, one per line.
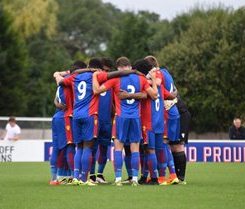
pixel 85 102
pixel 105 106
pixel 130 108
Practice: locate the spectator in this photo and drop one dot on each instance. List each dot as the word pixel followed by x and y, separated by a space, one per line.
pixel 237 131
pixel 12 130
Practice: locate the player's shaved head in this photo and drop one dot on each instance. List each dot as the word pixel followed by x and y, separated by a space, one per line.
pixel 152 60
pixel 122 62
pixel 142 66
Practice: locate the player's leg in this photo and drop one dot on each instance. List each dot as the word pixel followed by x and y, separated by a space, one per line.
pixel 102 160
pixel 179 150
pixel 122 127
pixel 54 155
pixel 88 134
pixel 70 152
pixel 143 163
pixel 118 161
pixel 61 173
pixel 173 137
pixel 127 160
pixel 86 159
pixel 162 159
pixel 92 175
pixel 151 158
pixel 62 143
pixel 77 127
pixel 134 135
pixel 70 146
pixel 104 140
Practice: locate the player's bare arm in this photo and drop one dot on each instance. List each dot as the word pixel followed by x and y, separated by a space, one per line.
pixel 84 70
pixel 97 89
pixel 138 96
pixel 59 76
pixel 153 91
pixel 121 73
pixel 59 105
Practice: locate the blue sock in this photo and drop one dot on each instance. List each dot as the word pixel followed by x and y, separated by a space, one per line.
pixel 127 160
pixel 171 166
pixel 86 163
pixel 102 158
pixel 53 170
pixel 135 158
pixel 77 162
pixel 61 172
pixel 69 172
pixel 118 162
pixel 53 164
pixel 152 165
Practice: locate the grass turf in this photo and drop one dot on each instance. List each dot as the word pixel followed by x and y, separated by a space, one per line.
pixel 210 186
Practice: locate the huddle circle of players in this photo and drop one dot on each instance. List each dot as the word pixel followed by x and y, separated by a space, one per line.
pixel 137 106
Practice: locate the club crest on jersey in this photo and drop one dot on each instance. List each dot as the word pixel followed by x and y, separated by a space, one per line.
pixel 68 128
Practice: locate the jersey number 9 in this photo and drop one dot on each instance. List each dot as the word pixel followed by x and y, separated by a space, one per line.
pixel 81 89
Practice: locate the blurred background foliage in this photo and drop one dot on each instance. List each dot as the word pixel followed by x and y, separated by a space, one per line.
pixel 203 49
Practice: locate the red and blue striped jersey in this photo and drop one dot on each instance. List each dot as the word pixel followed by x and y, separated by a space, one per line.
pixel 153 110
pixel 133 83
pixel 173 112
pixel 85 102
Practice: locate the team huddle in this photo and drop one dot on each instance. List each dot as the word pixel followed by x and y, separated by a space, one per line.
pixel 137 106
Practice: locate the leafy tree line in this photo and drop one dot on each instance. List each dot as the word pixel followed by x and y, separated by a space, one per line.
pixel 203 49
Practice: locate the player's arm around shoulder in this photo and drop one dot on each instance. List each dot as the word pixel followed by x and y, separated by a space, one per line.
pixel 125 95
pixel 59 76
pixel 151 91
pixel 97 88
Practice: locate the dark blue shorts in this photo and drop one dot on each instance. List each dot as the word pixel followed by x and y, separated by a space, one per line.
pixel 173 129
pixel 85 129
pixel 62 131
pixel 104 133
pixel 153 140
pixel 128 130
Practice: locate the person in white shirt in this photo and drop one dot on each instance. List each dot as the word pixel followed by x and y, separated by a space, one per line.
pixel 12 130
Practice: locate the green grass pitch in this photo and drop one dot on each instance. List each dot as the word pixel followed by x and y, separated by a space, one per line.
pixel 210 186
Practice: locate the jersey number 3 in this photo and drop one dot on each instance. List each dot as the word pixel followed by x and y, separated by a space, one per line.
pixel 131 90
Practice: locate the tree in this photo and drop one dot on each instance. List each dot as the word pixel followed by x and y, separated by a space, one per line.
pixel 32 16
pixel 13 65
pixel 132 37
pixel 207 63
pixel 86 26
pixel 46 57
